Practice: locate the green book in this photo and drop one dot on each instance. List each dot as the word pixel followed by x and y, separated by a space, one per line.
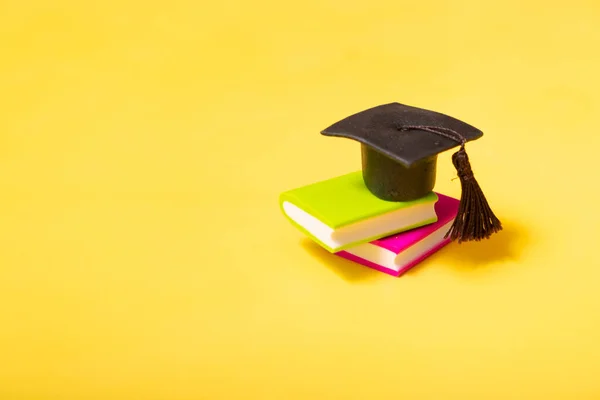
pixel 341 212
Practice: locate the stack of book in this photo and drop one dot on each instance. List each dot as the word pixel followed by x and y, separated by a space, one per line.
pixel 346 219
pixel 387 216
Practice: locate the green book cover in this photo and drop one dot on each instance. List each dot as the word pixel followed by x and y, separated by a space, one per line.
pixel 343 203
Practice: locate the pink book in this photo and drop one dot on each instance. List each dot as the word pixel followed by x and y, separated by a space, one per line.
pixel 396 254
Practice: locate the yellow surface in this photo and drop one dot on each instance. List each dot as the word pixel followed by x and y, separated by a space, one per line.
pixel 142 251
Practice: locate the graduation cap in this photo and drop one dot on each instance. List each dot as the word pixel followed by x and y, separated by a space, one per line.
pixel 399 147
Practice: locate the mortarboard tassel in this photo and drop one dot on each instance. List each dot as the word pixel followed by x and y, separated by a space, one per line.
pixel 475 219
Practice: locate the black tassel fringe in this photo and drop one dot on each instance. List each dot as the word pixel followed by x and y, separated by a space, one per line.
pixel 475 219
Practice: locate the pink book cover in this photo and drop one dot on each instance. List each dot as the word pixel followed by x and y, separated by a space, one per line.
pixel 396 254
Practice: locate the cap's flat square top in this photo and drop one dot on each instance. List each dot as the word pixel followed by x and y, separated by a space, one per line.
pixel 381 128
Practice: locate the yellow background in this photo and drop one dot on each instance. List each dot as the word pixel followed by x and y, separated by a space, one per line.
pixel 142 149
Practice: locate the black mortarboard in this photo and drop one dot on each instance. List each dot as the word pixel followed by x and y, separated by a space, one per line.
pixel 400 145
